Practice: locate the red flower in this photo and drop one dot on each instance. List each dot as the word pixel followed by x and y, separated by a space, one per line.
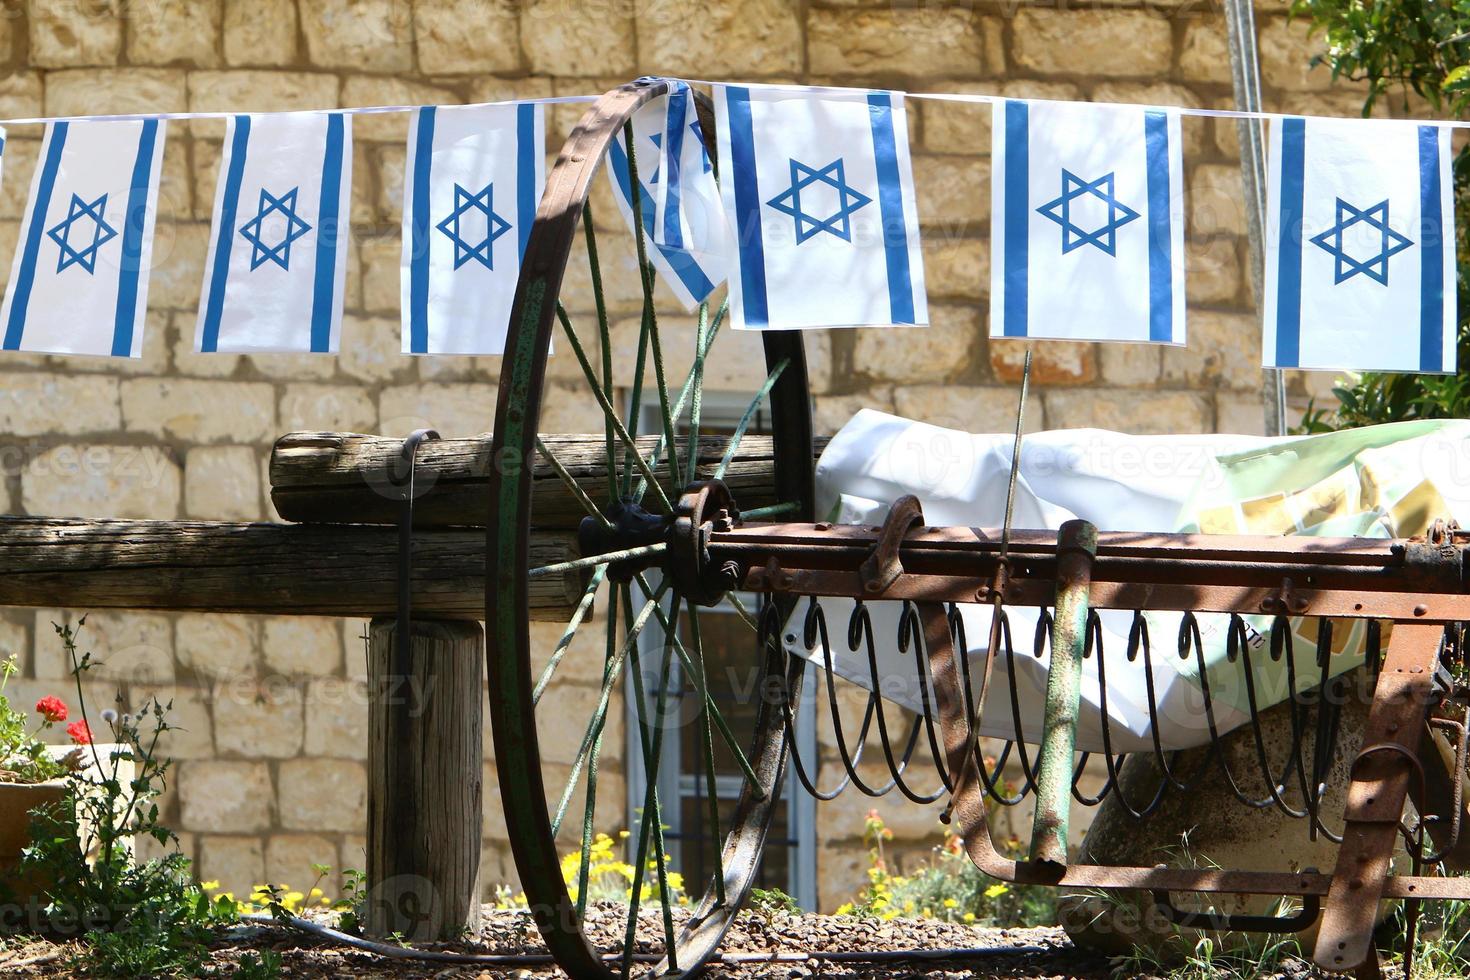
pixel 79 732
pixel 51 708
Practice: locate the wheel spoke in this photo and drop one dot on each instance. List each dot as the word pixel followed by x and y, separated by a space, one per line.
pixel 570 482
pixel 605 558
pixel 604 337
pixel 697 376
pixel 568 634
pixel 684 394
pixel 589 813
pixel 742 612
pixel 707 746
pixel 755 402
pixel 772 511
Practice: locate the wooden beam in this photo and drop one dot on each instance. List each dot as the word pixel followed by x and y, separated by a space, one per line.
pixel 273 569
pixel 336 477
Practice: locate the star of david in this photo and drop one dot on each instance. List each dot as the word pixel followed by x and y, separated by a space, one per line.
pixel 256 229
pixel 482 201
pixel 102 233
pixel 1105 236
pixel 1390 242
pixel 807 225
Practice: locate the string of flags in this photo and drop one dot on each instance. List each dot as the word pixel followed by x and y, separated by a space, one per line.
pixel 812 220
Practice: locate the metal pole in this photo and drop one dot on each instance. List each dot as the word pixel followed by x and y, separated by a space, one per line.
pixel 1245 77
pixel 1076 548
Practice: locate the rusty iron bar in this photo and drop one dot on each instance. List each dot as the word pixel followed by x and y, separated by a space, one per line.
pixel 1076 548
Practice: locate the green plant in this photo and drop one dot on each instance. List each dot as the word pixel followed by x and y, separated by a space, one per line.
pixel 264 964
pixel 1412 49
pixel 24 757
pixel 769 903
pixel 135 919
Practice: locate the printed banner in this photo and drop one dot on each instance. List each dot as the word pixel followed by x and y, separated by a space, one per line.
pixel 820 198
pixel 277 259
pixel 79 281
pixel 689 257
pixel 1087 240
pixel 1360 247
pixel 475 176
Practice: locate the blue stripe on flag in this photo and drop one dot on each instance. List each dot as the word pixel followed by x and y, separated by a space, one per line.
pixel 673 149
pixel 1160 232
pixel 229 207
pixel 754 304
pixel 418 276
pixel 890 204
pixel 1017 218
pixel 55 142
pixel 327 236
pixel 1289 251
pixel 135 220
pixel 1432 232
pixel 527 150
pixel 681 263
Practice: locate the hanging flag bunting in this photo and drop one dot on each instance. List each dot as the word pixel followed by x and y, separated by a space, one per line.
pixel 278 248
pixel 820 198
pixel 684 233
pixel 79 281
pixel 1360 247
pixel 475 176
pixel 1087 239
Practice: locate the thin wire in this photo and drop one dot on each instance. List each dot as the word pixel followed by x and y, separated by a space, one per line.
pixel 350 111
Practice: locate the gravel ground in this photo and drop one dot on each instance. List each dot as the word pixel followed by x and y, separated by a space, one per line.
pixel 1041 952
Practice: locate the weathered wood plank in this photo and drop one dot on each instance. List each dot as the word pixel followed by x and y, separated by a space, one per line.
pixel 275 569
pixel 332 477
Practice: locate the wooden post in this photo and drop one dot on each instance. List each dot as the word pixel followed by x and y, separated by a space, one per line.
pixel 424 772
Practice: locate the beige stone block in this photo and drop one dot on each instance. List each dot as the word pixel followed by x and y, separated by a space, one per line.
pixel 957 268
pixel 382 257
pixel 260 32
pixel 289 859
pixel 1136 365
pixel 199 411
pixel 300 645
pixel 353 852
pixel 15 642
pixel 583 661
pixel 1205 57
pixel 968 409
pixel 34 404
pixel 323 795
pixel 1224 351
pixel 217 646
pixel 114 90
pixel 334 408
pixel 467 36
pixel 560 731
pixel 283 366
pixel 1141 413
pixel 225 797
pixel 736 361
pixel 939 352
pixel 842 872
pixel 337 718
pixel 64 33
pixel 191 732
pixel 261 91
pixel 174 32
pixel 455 367
pixel 79 480
pixel 222 483
pixel 1093 41
pixel 237 863
pixel 1216 203
pixel 1240 414
pixel 569 407
pixel 355 648
pixel 391 127
pixel 914 41
pixel 371 349
pixel 365 35
pixel 258 722
pixel 1217 271
pixel 1194 132
pixel 20 159
pixel 719 38
pixel 391 160
pixel 832 412
pixel 364 190
pixel 953 193
pixel 188 361
pixel 20 96
pixel 1054 362
pixel 560 38
pixel 1287 49
pixel 178 265
pixel 126 646
pixel 455 410
pixel 175 182
pixel 491 89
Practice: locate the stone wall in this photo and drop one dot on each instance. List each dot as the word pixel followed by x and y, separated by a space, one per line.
pixel 270 774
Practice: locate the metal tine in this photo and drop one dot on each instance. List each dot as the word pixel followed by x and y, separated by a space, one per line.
pixel 1138 639
pixel 1114 763
pixel 1237 647
pixel 911 631
pixel 990 777
pixel 1457 800
pixel 1328 716
pixel 860 632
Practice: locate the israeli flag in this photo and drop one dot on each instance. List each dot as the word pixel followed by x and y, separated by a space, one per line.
pixel 683 227
pixel 475 176
pixel 1087 238
pixel 79 282
pixel 1360 247
pixel 278 250
pixel 819 193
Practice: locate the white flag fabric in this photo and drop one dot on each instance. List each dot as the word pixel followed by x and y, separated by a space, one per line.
pixel 79 281
pixel 1360 256
pixel 691 260
pixel 1087 238
pixel 688 214
pixel 475 176
pixel 819 193
pixel 277 258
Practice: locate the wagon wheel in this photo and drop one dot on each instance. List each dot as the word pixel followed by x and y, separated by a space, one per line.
pixel 544 822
